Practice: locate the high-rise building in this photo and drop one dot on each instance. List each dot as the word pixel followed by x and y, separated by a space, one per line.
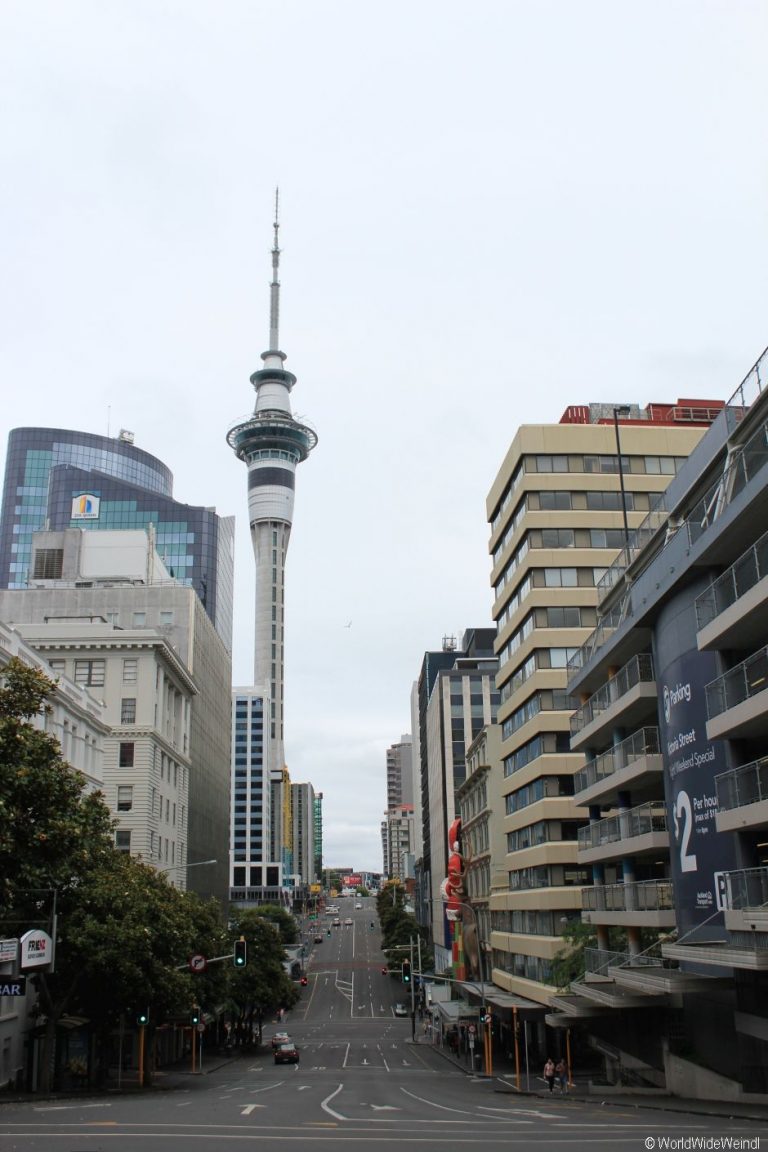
pixel 318 835
pixel 400 773
pixel 111 578
pixel 56 478
pixel 397 836
pixel 272 442
pixel 457 698
pixel 560 509
pixel 673 691
pixel 303 820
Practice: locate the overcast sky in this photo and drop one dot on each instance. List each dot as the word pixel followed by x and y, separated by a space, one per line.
pixel 489 211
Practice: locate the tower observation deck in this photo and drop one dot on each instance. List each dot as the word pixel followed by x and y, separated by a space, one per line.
pixel 271 442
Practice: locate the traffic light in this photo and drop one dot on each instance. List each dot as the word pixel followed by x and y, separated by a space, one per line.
pixel 406 971
pixel 195 1017
pixel 142 1019
pixel 241 953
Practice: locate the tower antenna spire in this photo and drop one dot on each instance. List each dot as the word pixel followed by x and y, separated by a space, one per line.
pixel 274 288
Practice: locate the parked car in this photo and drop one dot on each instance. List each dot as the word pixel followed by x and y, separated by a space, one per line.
pixel 318 938
pixel 287 1053
pixel 348 921
pixel 401 1010
pixel 280 1038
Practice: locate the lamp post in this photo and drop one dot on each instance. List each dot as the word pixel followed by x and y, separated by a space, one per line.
pixel 622 410
pixel 176 867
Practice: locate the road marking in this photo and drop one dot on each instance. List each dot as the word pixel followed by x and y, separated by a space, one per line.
pixel 346 1057
pixel 303 1087
pixel 248 1108
pixel 69 1107
pixel 325 1104
pixel 445 1108
pixel 521 1112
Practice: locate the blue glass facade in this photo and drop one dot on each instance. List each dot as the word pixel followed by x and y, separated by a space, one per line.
pixel 48 469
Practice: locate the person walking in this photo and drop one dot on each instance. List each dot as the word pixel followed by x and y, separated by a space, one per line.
pixel 561 1071
pixel 549 1074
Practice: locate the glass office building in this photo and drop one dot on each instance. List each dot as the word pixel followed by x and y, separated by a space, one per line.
pixel 57 478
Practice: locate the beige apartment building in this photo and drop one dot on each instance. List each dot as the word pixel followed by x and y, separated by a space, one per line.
pixel 560 508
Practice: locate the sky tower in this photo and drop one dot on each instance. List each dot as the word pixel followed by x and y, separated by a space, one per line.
pixel 271 442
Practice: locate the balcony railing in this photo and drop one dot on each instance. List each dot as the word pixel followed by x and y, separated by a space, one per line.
pixel 604 630
pixel 747 888
pixel 636 896
pixel 738 684
pixel 597 961
pixel 656 518
pixel 747 784
pixel 734 582
pixel 639 821
pixel 636 671
pixel 644 742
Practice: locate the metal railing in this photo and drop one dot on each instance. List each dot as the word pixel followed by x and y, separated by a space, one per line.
pixel 632 822
pixel 597 961
pixel 752 384
pixel 743 574
pixel 638 538
pixel 636 671
pixel 644 742
pixel 747 784
pixel 747 887
pixel 738 684
pixel 602 633
pixel 635 896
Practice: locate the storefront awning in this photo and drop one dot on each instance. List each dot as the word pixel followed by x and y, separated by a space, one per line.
pixel 455 1010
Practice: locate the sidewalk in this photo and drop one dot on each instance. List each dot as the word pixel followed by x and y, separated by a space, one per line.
pixel 503 1079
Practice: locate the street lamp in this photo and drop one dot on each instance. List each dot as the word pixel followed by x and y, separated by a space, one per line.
pixel 622 410
pixel 176 867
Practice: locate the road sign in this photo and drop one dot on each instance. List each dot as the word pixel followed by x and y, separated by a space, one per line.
pixel 201 1027
pixel 471 1029
pixel 198 963
pixel 9 950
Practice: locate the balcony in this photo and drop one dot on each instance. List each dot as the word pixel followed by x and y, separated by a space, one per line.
pixel 633 765
pixel 625 699
pixel 642 903
pixel 742 797
pixel 735 607
pixel 637 831
pixel 747 901
pixel 737 703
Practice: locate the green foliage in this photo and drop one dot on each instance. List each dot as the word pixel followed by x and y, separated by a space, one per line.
pixel 283 920
pixel 568 961
pixel 262 986
pixel 53 834
pixel 399 927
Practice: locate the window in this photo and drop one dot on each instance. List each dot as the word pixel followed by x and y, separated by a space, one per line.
pixel 553 501
pixel 560 578
pixel 139 619
pixel 123 840
pixel 89 673
pixel 128 710
pixel 124 798
pixel 57 666
pixel 125 756
pixel 551 463
pixel 166 618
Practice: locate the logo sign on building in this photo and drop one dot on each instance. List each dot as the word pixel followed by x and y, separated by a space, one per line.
pixel 85 507
pixel 36 949
pixel 699 853
pixel 9 950
pixel 353 881
pixel 13 985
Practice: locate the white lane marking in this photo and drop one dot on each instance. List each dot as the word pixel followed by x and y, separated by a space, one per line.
pixel 346 1057
pixel 445 1108
pixel 325 1104
pixel 385 1063
pixel 248 1108
pixel 521 1112
pixel 69 1107
pixel 303 1087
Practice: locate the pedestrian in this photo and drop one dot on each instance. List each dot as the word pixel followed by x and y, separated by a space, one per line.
pixel 549 1074
pixel 561 1071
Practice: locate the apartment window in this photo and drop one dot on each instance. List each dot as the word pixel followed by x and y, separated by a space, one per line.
pixel 128 710
pixel 89 673
pixel 123 840
pixel 125 757
pixel 551 463
pixel 166 618
pixel 560 578
pixel 139 619
pixel 551 501
pixel 124 798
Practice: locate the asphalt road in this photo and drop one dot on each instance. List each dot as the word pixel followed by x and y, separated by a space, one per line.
pixel 361 1082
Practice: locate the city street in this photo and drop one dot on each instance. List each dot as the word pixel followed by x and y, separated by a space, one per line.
pixel 360 1081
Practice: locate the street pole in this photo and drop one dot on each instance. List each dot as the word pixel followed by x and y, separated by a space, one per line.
pixel 515 1028
pixel 413 994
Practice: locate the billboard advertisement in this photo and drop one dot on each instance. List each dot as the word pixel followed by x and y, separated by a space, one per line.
pixel 699 853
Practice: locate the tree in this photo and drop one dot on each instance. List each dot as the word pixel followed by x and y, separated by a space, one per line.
pixel 568 963
pixel 53 833
pixel 283 920
pixel 262 986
